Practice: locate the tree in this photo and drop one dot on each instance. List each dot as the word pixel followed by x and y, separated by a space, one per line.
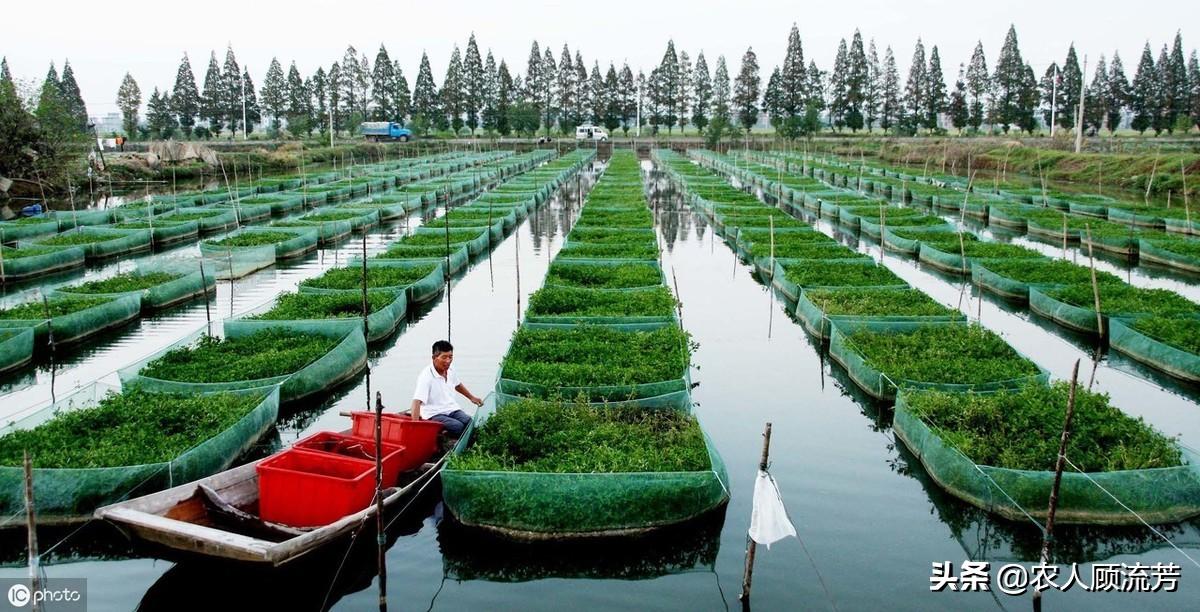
pixel 722 102
pixel 318 90
pixel 18 131
pixel 598 95
pixel 702 93
pixel 524 118
pixel 547 88
pixel 383 101
pixel 425 97
pixel 935 90
pixel 491 92
pixel 453 102
pixel 838 89
pixel 1175 86
pixel 185 98
pixel 506 94
pixel 1194 94
pixel 298 106
pixel 1162 115
pixel 816 87
pixel 56 122
pixel 1118 94
pixel 1027 99
pixel 1143 99
pixel 873 92
pixel 666 88
pixel 772 101
pixel 275 94
pixel 533 78
pixel 211 109
pixel 960 114
pixel 627 96
pixel 653 89
pixel 72 98
pixel 915 88
pixel 253 113
pixel 683 90
pixel 583 93
pixel 857 74
pixel 401 96
pixel 1052 93
pixel 793 83
pixel 129 99
pixel 333 86
pixel 353 82
pixel 231 91
pixel 890 110
pixel 474 84
pixel 978 85
pixel 159 117
pixel 746 91
pixel 1010 84
pixel 612 99
pixel 1097 98
pixel 1070 86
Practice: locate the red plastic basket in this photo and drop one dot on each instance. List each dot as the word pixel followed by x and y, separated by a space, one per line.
pixel 359 449
pixel 306 489
pixel 420 438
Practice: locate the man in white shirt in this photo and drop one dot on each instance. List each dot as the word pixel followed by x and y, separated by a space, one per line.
pixel 433 398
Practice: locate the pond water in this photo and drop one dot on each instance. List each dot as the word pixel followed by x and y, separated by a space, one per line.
pixel 870 520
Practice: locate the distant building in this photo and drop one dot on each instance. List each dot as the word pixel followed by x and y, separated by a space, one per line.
pixel 109 123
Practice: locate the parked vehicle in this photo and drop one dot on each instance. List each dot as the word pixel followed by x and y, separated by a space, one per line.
pixel 588 131
pixel 375 131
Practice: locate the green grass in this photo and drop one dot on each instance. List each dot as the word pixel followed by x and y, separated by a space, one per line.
pixel 1020 429
pixel 253 239
pixel 127 281
pixel 57 307
pixel 876 302
pixel 1180 332
pixel 570 301
pixel 1121 298
pixel 377 277
pixel 947 354
pixel 552 437
pixel 266 354
pixel 132 428
pixel 298 306
pixel 593 355
pixel 619 276
pixel 817 273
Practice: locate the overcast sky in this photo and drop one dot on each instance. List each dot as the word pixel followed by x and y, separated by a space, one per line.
pixel 148 37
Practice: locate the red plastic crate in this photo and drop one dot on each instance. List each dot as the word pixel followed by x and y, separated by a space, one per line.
pixel 358 449
pixel 305 489
pixel 420 438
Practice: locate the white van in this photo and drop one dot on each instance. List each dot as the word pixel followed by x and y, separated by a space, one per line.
pixel 591 132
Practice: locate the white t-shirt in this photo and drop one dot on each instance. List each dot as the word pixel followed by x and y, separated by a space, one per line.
pixel 435 392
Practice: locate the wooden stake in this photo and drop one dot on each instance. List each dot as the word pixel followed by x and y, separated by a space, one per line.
pixel 1095 284
pixel 1059 464
pixel 35 580
pixel 1150 183
pixel 748 573
pixel 207 308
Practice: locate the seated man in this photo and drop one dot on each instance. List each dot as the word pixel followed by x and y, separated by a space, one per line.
pixel 433 399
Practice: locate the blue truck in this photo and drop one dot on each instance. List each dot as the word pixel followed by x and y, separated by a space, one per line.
pixel 375 131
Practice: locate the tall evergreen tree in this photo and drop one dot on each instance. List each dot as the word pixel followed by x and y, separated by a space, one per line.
pixel 702 92
pixel 1194 91
pixel 1010 85
pixel 231 91
pixel 566 92
pixel 1162 120
pixel 1143 99
pixel 873 91
pixel 960 114
pixel 548 86
pixel 1052 94
pixel 915 88
pixel 159 117
pixel 425 97
pixel 401 96
pixel 838 87
pixel 333 86
pixel 683 92
pixel 628 96
pixel 318 89
pixel 73 98
pixel 722 100
pixel 1176 89
pixel 275 94
pixel 185 98
pixel 491 91
pixel 857 74
pixel 533 78
pixel 1027 100
pixel 474 84
pixel 583 93
pixel 55 118
pixel 890 108
pixel 978 86
pixel 1097 98
pixel 383 102
pixel 1117 99
pixel 793 76
pixel 452 92
pixel 816 87
pixel 506 98
pixel 129 100
pixel 612 99
pixel 1070 86
pixel 352 81
pixel 298 106
pixel 772 101
pixel 746 91
pixel 667 87
pixel 935 90
pixel 211 109
pixel 253 113
pixel 598 95
pixel 18 130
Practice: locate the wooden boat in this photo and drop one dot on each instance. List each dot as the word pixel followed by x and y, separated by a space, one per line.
pixel 215 517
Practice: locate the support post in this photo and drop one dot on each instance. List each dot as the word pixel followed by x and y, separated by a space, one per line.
pixel 1048 536
pixel 751 548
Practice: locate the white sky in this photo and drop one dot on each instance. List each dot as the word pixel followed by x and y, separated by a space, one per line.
pixel 148 37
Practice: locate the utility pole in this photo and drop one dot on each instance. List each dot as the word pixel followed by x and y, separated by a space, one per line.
pixel 639 110
pixel 1079 119
pixel 1053 101
pixel 331 125
pixel 242 82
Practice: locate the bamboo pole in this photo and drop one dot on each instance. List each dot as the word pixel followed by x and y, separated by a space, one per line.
pixel 204 286
pixel 1095 284
pixel 1059 464
pixel 751 547
pixel 35 580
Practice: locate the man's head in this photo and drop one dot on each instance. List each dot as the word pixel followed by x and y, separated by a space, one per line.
pixel 443 355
